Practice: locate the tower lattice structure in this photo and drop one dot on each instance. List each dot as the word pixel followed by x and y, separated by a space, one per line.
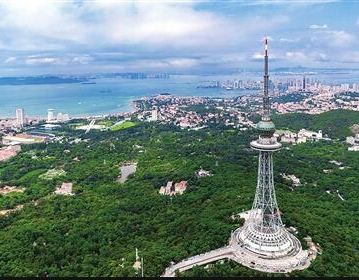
pixel 262 243
pixel 263 232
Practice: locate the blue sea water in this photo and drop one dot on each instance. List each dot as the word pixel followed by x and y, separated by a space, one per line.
pixel 114 95
pixel 107 95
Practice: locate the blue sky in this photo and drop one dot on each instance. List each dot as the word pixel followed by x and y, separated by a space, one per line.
pixel 44 36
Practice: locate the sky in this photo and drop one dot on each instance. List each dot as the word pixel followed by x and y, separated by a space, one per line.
pixel 75 37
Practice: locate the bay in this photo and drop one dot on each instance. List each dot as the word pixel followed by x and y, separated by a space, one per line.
pixel 114 95
pixel 107 95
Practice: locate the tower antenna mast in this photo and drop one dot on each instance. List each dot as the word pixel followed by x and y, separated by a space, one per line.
pixel 266 108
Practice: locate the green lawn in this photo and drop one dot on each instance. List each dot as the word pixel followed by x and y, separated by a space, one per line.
pixel 124 125
pixel 106 123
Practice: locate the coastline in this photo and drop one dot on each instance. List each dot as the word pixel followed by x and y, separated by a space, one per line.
pixel 130 105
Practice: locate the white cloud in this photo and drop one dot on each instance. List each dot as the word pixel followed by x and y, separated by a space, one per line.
pixel 340 39
pixel 350 57
pixel 306 57
pixel 314 26
pixel 47 19
pixel 286 40
pixel 257 56
pixel 95 23
pixel 158 34
pixel 61 25
pixel 83 59
pixel 296 56
pixel 183 62
pixel 41 60
pixel 285 2
pixel 10 59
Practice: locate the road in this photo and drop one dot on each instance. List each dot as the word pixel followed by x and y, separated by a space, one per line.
pixel 211 256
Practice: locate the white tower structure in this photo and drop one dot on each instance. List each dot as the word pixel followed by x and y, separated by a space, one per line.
pixel 262 243
pixel 263 232
pixel 50 115
pixel 20 117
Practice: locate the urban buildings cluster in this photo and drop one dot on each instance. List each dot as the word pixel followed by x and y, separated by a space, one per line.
pixel 284 85
pixel 21 120
pixel 316 97
pixel 232 84
pixel 194 112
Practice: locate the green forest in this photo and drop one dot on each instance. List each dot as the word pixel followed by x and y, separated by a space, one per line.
pixel 95 232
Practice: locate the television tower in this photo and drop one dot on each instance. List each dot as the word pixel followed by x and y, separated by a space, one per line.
pixel 263 232
pixel 262 243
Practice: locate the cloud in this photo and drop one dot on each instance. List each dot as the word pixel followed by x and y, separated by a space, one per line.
pixel 296 56
pixel 286 40
pixel 83 59
pixel 65 59
pixel 45 19
pixel 96 24
pixel 184 62
pixel 314 26
pixel 284 2
pixel 169 35
pixel 351 57
pixel 257 56
pixel 10 59
pixel 335 38
pixel 306 57
pixel 42 60
pixel 88 25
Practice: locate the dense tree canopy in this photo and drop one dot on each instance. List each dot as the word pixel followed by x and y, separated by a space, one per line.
pixel 95 232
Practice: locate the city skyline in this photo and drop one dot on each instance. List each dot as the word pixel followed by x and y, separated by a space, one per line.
pixel 174 36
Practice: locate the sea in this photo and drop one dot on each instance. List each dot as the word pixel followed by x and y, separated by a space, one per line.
pixel 107 95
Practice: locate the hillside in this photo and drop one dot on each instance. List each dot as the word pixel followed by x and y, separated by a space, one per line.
pixel 95 232
pixel 335 123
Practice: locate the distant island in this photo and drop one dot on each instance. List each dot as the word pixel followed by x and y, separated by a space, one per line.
pixel 83 79
pixel 38 80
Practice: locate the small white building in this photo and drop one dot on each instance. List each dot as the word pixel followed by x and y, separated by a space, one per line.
pixel 310 134
pixel 170 189
pixel 354 141
pixel 293 178
pixel 203 173
pixel 65 189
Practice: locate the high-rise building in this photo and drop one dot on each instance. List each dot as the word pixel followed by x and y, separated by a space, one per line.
pixel 154 115
pixel 20 117
pixel 344 87
pixel 50 115
pixel 62 117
